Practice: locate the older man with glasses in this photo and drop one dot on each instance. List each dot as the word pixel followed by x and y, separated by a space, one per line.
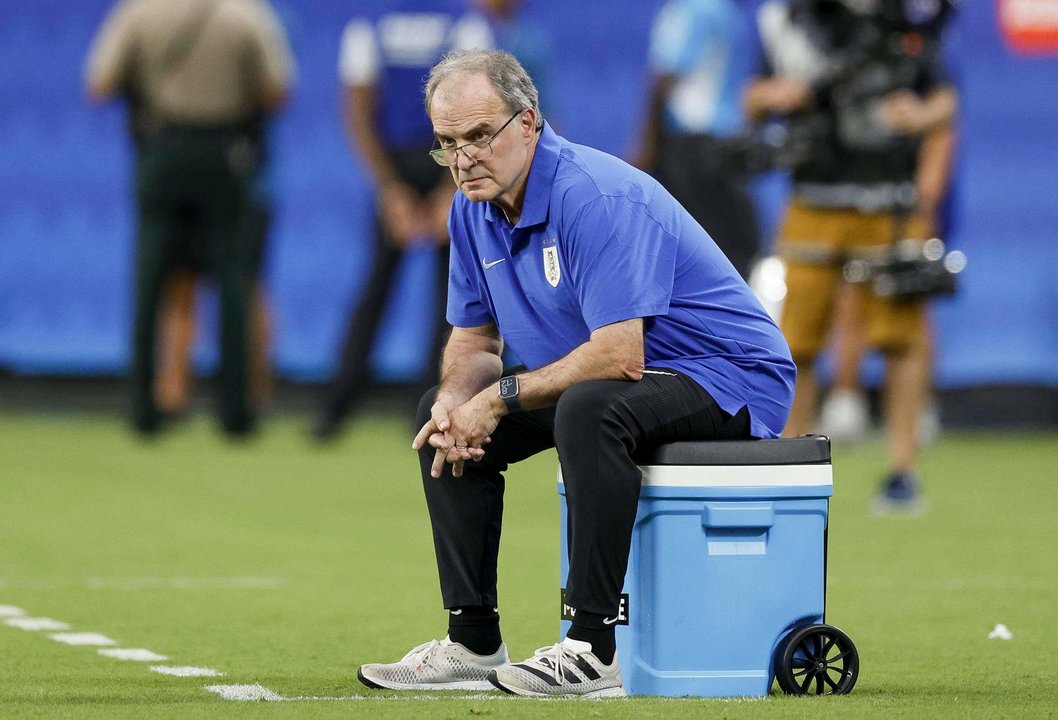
pixel 635 330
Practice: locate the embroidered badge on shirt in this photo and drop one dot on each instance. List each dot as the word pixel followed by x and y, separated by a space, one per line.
pixel 552 270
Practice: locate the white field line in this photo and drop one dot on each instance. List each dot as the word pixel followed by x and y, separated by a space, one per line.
pixel 185 671
pixel 238 693
pixel 258 693
pixel 234 582
pixel 250 693
pixel 87 638
pixel 133 654
pixel 245 693
pixel 33 624
pixel 15 618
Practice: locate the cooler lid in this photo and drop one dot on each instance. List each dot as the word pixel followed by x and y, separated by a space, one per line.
pixel 804 450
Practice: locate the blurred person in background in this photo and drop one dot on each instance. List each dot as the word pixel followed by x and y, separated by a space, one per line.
pixel 870 108
pixel 199 76
pixel 174 373
pixel 635 330
pixel 700 54
pixel 386 53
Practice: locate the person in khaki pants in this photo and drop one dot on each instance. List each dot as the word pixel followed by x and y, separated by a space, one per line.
pixel 873 173
pixel 199 76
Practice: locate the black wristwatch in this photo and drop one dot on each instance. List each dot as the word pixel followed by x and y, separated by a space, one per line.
pixel 509 393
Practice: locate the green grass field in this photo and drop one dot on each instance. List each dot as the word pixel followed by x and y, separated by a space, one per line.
pixel 287 565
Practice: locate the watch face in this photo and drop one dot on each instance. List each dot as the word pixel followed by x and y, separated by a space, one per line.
pixel 508 387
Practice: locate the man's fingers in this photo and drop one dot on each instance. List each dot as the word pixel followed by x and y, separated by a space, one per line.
pixel 438 463
pixel 457 468
pixel 424 435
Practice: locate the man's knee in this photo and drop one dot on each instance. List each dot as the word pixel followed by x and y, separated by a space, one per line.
pixel 587 408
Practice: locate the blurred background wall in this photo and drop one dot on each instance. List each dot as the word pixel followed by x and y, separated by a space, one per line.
pixel 66 245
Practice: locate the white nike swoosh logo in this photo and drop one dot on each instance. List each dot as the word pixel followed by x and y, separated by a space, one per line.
pixel 608 621
pixel 485 264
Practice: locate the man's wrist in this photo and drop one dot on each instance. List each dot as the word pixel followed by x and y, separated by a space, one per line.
pixel 509 393
pixel 446 400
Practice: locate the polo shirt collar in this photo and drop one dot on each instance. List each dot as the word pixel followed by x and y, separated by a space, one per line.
pixel 538 187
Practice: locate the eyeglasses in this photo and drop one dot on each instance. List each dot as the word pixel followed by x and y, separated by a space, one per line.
pixel 477 150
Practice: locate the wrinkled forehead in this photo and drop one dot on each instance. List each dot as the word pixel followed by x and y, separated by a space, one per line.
pixel 463 100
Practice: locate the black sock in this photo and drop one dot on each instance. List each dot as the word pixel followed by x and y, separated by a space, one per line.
pixel 591 628
pixel 476 628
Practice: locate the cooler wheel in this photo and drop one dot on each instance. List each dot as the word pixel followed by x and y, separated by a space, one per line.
pixel 817 660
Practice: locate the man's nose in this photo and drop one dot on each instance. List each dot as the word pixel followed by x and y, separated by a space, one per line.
pixel 464 161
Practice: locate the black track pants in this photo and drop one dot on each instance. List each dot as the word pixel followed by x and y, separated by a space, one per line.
pixel 598 426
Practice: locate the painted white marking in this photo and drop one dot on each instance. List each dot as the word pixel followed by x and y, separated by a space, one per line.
pixel 425 696
pixel 36 623
pixel 245 693
pixel 134 654
pixel 82 639
pixel 11 611
pixel 237 582
pixel 185 671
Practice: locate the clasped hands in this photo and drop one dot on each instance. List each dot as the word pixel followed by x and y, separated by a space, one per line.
pixel 458 434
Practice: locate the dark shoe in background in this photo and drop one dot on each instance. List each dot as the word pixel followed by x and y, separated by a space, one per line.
pixel 899 494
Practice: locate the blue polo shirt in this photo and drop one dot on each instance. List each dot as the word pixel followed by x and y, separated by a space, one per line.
pixel 599 242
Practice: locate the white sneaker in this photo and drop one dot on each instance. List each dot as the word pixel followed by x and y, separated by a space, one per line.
pixel 436 665
pixel 566 669
pixel 845 416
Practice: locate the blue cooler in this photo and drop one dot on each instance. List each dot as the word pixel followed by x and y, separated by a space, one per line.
pixel 728 556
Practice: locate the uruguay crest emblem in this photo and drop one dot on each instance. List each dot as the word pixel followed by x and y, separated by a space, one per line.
pixel 552 270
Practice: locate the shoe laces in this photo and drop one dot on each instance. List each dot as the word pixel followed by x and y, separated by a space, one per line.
pixel 424 654
pixel 557 656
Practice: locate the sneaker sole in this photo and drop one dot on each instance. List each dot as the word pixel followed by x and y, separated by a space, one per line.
pixel 604 693
pixel 380 684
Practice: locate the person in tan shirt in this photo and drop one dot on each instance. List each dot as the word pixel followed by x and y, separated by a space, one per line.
pixel 201 77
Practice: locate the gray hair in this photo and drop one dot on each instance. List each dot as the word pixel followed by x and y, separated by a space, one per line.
pixel 507 76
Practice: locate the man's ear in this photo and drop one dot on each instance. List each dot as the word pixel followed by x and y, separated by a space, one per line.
pixel 528 123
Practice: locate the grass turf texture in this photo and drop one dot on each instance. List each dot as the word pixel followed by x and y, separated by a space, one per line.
pixel 286 564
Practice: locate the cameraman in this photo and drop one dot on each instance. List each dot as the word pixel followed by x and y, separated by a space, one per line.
pixel 869 108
